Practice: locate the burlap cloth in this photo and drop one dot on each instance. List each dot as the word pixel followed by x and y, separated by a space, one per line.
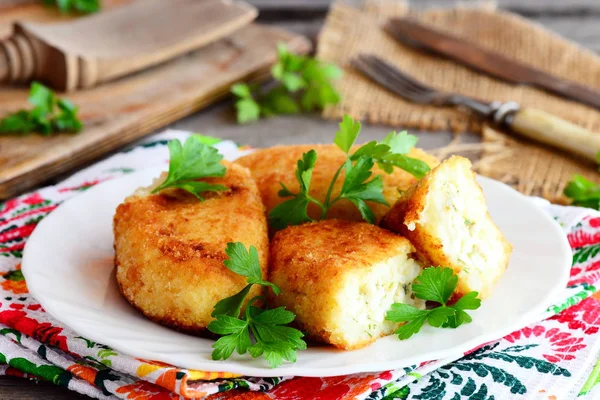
pixel 532 169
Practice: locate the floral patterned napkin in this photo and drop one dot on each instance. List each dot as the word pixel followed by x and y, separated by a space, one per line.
pixel 555 359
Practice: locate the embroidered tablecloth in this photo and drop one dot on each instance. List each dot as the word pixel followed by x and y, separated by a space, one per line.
pixel 555 359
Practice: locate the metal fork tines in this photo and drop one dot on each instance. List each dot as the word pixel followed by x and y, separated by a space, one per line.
pixel 404 85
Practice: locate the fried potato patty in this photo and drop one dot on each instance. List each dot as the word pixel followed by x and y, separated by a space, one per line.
pixel 445 216
pixel 170 247
pixel 278 164
pixel 341 277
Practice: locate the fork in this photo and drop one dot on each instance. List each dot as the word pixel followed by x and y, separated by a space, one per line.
pixel 531 123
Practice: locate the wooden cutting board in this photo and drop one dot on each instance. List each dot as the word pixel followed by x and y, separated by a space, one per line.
pixel 122 111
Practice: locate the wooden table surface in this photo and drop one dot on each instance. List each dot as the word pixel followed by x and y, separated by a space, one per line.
pixel 574 19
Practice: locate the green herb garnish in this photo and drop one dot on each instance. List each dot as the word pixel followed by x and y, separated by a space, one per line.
pixel 190 162
pixel 303 84
pixel 49 114
pixel 434 284
pixel 358 186
pixel 261 332
pixel 80 6
pixel 583 192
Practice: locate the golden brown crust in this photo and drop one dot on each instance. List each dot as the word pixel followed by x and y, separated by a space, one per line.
pixel 310 262
pixel 277 164
pixel 170 247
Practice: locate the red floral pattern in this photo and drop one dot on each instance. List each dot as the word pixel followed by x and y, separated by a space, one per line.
pixel 584 315
pixel 44 332
pixel 563 344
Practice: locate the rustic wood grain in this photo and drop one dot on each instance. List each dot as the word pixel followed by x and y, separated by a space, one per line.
pixel 119 112
pixel 31 10
pixel 89 51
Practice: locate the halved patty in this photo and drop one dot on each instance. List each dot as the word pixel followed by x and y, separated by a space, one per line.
pixel 341 277
pixel 445 216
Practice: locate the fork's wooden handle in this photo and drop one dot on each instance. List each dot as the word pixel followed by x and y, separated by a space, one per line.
pixel 556 132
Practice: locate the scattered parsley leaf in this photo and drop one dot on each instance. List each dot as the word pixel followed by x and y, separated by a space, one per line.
pixel 583 192
pixel 18 122
pixel 302 83
pixel 241 90
pixel 81 6
pixel 48 115
pixel 433 284
pixel 262 332
pixel 278 101
pixel 247 108
pixel 190 162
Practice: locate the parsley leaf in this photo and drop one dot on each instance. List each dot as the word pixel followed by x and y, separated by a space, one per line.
pixel 468 302
pixel 235 336
pixel 259 332
pixel 583 192
pixel 347 134
pixel 48 115
pixel 433 284
pixel 295 210
pixel 356 188
pixel 274 340
pixel 81 6
pixel 232 305
pixel 391 152
pixel 414 317
pixel 190 162
pixel 301 83
pixel 247 108
pixel 245 262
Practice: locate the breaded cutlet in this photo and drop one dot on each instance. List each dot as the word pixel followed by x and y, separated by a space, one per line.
pixel 277 164
pixel 170 248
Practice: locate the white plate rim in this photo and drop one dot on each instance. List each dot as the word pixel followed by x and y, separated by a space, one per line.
pixel 531 316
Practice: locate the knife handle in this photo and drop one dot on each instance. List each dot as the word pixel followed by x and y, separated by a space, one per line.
pixel 556 132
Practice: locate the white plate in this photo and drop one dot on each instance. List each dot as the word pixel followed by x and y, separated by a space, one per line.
pixel 68 264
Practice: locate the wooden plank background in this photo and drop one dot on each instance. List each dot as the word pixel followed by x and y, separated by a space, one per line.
pixel 574 19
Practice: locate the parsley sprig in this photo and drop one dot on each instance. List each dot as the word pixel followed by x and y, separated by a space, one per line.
pixel 302 83
pixel 359 186
pixel 261 332
pixel 434 284
pixel 81 6
pixel 49 114
pixel 583 192
pixel 190 162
